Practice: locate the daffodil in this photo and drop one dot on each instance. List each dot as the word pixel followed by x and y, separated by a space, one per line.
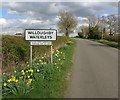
pixel 22 71
pixel 3 73
pixel 5 84
pixel 57 50
pixel 45 54
pixel 31 70
pixel 16 81
pixel 9 80
pixel 40 60
pixel 29 81
pixel 21 77
pixel 13 78
pixel 45 63
pixel 28 76
pixel 38 70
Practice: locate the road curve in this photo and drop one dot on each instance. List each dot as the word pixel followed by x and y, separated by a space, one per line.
pixel 94 72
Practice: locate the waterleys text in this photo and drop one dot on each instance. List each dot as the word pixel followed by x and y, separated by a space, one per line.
pixel 40 37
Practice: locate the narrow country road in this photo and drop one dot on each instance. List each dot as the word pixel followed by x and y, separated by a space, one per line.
pixel 94 72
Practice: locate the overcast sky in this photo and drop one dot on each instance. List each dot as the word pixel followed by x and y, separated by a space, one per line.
pixel 36 15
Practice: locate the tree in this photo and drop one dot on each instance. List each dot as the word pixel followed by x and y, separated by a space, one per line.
pixel 93 21
pixel 66 23
pixel 94 32
pixel 83 31
pixel 112 23
pixel 102 26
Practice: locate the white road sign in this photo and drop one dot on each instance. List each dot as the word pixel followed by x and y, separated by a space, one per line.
pixel 40 42
pixel 41 34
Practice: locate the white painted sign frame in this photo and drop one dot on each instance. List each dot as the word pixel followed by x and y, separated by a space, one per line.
pixel 40 34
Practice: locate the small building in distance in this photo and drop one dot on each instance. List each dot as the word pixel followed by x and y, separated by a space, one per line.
pixel 18 34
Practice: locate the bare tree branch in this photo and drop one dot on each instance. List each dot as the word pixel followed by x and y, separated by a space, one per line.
pixel 66 23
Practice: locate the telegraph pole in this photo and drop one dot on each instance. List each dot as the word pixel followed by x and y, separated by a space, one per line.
pixel 103 23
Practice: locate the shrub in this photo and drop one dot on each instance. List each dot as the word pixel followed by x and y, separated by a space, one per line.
pixel 114 38
pixel 16 50
pixel 80 34
pixel 94 33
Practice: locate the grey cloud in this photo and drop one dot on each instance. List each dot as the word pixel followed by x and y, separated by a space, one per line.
pixel 44 11
pixel 51 9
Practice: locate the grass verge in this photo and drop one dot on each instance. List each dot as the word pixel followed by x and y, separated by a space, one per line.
pixel 43 80
pixel 109 43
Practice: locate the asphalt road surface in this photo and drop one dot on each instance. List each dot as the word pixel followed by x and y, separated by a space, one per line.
pixel 95 71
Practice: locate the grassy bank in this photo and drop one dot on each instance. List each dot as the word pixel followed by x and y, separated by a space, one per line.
pixel 43 80
pixel 109 43
pixel 16 50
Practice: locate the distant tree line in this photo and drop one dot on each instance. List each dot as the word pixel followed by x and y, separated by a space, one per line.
pixel 105 27
pixel 100 28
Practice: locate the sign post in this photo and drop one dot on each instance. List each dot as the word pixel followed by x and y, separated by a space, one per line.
pixel 40 37
pixel 51 54
pixel 30 55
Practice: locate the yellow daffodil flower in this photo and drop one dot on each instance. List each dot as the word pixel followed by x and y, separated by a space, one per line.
pixel 28 76
pixel 13 78
pixel 5 84
pixel 29 81
pixel 21 77
pixel 9 80
pixel 16 81
pixel 31 70
pixel 38 70
pixel 22 71
pixel 45 63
